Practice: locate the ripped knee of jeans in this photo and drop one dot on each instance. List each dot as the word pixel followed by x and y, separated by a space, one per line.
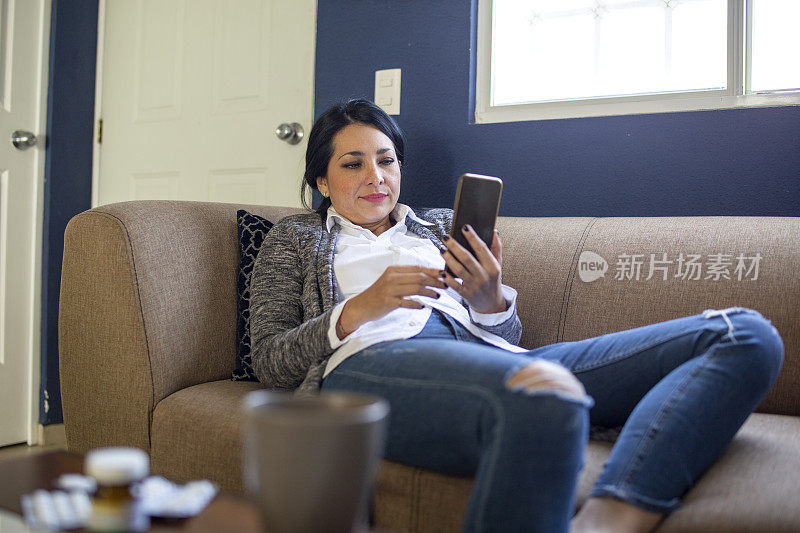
pixel 541 377
pixel 723 313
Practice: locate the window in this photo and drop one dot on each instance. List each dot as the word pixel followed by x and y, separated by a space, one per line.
pixel 541 59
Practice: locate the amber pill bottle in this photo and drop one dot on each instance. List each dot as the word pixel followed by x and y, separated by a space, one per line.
pixel 115 506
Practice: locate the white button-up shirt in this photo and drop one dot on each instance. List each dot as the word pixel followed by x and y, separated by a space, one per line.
pixel 360 259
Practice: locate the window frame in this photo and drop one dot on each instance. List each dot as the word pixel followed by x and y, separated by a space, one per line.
pixel 737 95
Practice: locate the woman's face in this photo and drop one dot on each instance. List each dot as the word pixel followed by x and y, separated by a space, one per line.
pixel 363 179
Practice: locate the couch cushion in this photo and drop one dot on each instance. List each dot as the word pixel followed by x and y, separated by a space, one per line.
pixel 251 230
pixel 413 499
pixel 196 433
pixel 754 485
pixel 745 490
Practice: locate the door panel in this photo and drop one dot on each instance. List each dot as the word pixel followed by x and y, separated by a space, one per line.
pixel 192 94
pixel 243 85
pixel 23 36
pixel 154 186
pixel 159 56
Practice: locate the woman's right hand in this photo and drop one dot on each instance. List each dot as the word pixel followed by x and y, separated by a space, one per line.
pixel 389 292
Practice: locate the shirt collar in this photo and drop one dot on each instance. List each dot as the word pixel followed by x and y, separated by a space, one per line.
pixel 399 215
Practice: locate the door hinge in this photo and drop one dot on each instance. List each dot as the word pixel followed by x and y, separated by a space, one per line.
pixel 99 130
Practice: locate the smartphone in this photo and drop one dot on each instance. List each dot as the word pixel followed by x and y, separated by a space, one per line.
pixel 477 204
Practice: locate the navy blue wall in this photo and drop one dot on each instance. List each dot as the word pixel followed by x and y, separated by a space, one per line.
pixel 68 166
pixel 731 162
pixel 735 162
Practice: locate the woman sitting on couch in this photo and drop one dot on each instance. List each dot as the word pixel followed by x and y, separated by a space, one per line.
pixel 355 297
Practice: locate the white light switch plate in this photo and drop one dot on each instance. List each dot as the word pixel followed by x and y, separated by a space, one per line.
pixel 387 90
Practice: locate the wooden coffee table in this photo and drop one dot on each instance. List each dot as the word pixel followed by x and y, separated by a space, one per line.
pixel 25 474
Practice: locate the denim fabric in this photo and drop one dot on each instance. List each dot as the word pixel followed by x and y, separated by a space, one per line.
pixel 680 389
pixel 442 326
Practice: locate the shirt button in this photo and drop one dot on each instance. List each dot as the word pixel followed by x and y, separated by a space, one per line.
pixel 413 323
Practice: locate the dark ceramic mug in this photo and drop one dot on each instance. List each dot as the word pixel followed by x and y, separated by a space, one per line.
pixel 310 462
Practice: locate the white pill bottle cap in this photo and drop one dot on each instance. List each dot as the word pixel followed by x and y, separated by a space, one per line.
pixel 117 465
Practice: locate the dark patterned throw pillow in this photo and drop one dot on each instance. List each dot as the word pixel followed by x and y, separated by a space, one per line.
pixel 251 231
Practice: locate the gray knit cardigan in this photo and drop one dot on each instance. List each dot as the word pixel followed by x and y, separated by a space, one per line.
pixel 293 293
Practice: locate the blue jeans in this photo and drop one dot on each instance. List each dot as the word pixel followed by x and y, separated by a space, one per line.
pixel 680 389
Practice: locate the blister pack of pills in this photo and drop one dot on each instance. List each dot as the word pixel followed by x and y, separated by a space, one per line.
pixel 70 507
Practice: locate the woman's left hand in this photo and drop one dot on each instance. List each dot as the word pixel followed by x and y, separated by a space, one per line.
pixel 479 273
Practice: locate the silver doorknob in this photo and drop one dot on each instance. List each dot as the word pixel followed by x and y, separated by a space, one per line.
pixel 22 140
pixel 291 133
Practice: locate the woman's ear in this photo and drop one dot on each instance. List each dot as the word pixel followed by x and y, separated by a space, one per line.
pixel 322 185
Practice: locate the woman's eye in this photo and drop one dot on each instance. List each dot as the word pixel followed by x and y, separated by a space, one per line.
pixel 387 161
pixel 354 164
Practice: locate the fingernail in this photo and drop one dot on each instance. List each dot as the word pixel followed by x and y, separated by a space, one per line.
pixel 437 296
pixel 466 227
pixel 446 238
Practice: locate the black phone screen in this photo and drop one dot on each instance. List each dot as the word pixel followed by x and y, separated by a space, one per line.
pixel 477 203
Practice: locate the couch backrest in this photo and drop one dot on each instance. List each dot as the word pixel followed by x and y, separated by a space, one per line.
pixel 152 285
pixel 541 260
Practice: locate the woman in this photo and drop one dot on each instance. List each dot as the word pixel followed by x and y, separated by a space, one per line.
pixel 355 297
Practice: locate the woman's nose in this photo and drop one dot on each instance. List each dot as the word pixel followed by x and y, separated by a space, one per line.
pixel 374 174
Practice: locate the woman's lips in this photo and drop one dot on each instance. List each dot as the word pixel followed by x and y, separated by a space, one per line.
pixel 374 198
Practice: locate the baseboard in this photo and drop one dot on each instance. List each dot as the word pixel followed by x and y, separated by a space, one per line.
pixel 52 435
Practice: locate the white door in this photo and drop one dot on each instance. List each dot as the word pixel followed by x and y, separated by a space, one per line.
pixel 24 34
pixel 192 93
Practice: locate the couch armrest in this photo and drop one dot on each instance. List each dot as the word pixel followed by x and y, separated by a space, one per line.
pixel 106 386
pixel 147 308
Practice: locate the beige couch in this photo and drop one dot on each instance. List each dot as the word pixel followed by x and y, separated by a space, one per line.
pixel 147 332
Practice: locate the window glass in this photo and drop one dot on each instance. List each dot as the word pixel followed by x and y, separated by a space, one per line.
pixel 775 44
pixel 551 50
